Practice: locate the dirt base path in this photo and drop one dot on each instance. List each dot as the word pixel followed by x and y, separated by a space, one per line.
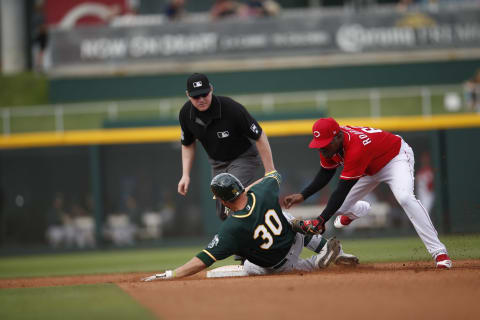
pixel 375 291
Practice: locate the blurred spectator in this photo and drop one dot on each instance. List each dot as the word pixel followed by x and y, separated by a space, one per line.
pixel 432 5
pixel 129 9
pixel 153 225
pixel 358 5
pixel 60 230
pixel 133 6
pixel 132 210
pixel 156 221
pixel 425 182
pixel 84 224
pixel 119 230
pixel 471 89
pixel 262 8
pixel 175 9
pixel 121 15
pixel 167 211
pixel 122 226
pixel 227 8
pixel 403 5
pixel 40 37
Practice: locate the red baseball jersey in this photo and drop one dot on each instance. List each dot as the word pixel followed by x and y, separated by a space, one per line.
pixel 365 152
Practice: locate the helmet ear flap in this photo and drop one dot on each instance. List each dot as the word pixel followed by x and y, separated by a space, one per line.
pixel 226 186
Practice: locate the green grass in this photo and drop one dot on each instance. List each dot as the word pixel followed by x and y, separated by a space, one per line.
pixel 23 89
pixel 152 260
pixel 104 301
pixel 134 260
pixel 411 249
pixel 32 124
pixel 348 108
pixel 84 121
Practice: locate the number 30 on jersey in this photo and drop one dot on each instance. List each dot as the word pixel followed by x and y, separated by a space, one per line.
pixel 273 225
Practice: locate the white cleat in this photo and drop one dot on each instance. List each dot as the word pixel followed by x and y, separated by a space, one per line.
pixel 328 254
pixel 443 261
pixel 361 209
pixel 342 221
pixel 346 259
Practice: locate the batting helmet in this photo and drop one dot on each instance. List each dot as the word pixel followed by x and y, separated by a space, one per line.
pixel 226 187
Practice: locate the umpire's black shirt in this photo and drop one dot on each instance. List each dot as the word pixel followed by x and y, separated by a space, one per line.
pixel 223 129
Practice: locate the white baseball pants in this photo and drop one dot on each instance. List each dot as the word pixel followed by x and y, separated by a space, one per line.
pixel 293 263
pixel 399 175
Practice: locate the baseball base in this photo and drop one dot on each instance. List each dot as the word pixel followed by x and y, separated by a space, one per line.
pixel 227 271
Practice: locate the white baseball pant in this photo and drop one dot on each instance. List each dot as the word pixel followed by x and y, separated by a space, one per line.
pixel 294 262
pixel 399 175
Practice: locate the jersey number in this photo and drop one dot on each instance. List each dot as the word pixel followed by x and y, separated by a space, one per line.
pixel 274 226
pixel 370 130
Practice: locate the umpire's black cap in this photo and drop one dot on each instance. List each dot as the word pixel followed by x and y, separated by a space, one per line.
pixel 197 84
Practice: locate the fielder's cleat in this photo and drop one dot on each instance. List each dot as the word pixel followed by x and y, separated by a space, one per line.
pixel 328 254
pixel 346 259
pixel 360 209
pixel 342 221
pixel 443 261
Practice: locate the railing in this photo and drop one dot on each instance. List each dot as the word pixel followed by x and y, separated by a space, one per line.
pixel 374 102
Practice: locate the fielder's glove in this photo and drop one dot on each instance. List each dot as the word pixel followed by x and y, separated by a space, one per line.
pixel 309 227
pixel 160 276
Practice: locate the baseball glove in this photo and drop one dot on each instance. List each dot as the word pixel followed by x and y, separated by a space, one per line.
pixel 309 227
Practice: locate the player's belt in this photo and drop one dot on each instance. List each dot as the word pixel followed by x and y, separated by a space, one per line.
pixel 284 260
pixel 281 263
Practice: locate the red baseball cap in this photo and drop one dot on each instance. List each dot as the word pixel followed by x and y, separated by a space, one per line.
pixel 323 130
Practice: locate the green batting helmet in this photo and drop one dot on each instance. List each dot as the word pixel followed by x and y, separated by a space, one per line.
pixel 226 187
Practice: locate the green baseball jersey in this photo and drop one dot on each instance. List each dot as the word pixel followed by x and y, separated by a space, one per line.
pixel 260 232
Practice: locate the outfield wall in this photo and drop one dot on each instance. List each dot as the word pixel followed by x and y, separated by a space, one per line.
pixel 279 80
pixel 100 172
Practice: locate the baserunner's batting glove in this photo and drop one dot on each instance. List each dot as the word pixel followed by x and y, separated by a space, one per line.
pixel 309 227
pixel 160 276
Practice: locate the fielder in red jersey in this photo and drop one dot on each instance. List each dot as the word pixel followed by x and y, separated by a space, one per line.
pixel 365 152
pixel 369 156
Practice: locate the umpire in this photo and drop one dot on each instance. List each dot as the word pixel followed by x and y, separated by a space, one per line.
pixel 226 131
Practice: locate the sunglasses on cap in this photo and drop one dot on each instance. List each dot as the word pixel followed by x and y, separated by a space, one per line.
pixel 200 96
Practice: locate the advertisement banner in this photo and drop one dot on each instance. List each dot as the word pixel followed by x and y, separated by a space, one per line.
pixel 283 36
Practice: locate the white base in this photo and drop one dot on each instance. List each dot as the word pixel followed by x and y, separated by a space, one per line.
pixel 227 271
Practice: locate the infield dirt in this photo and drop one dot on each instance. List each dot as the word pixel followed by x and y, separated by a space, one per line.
pixel 410 290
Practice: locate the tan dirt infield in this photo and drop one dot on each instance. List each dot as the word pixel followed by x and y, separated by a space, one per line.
pixel 410 290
